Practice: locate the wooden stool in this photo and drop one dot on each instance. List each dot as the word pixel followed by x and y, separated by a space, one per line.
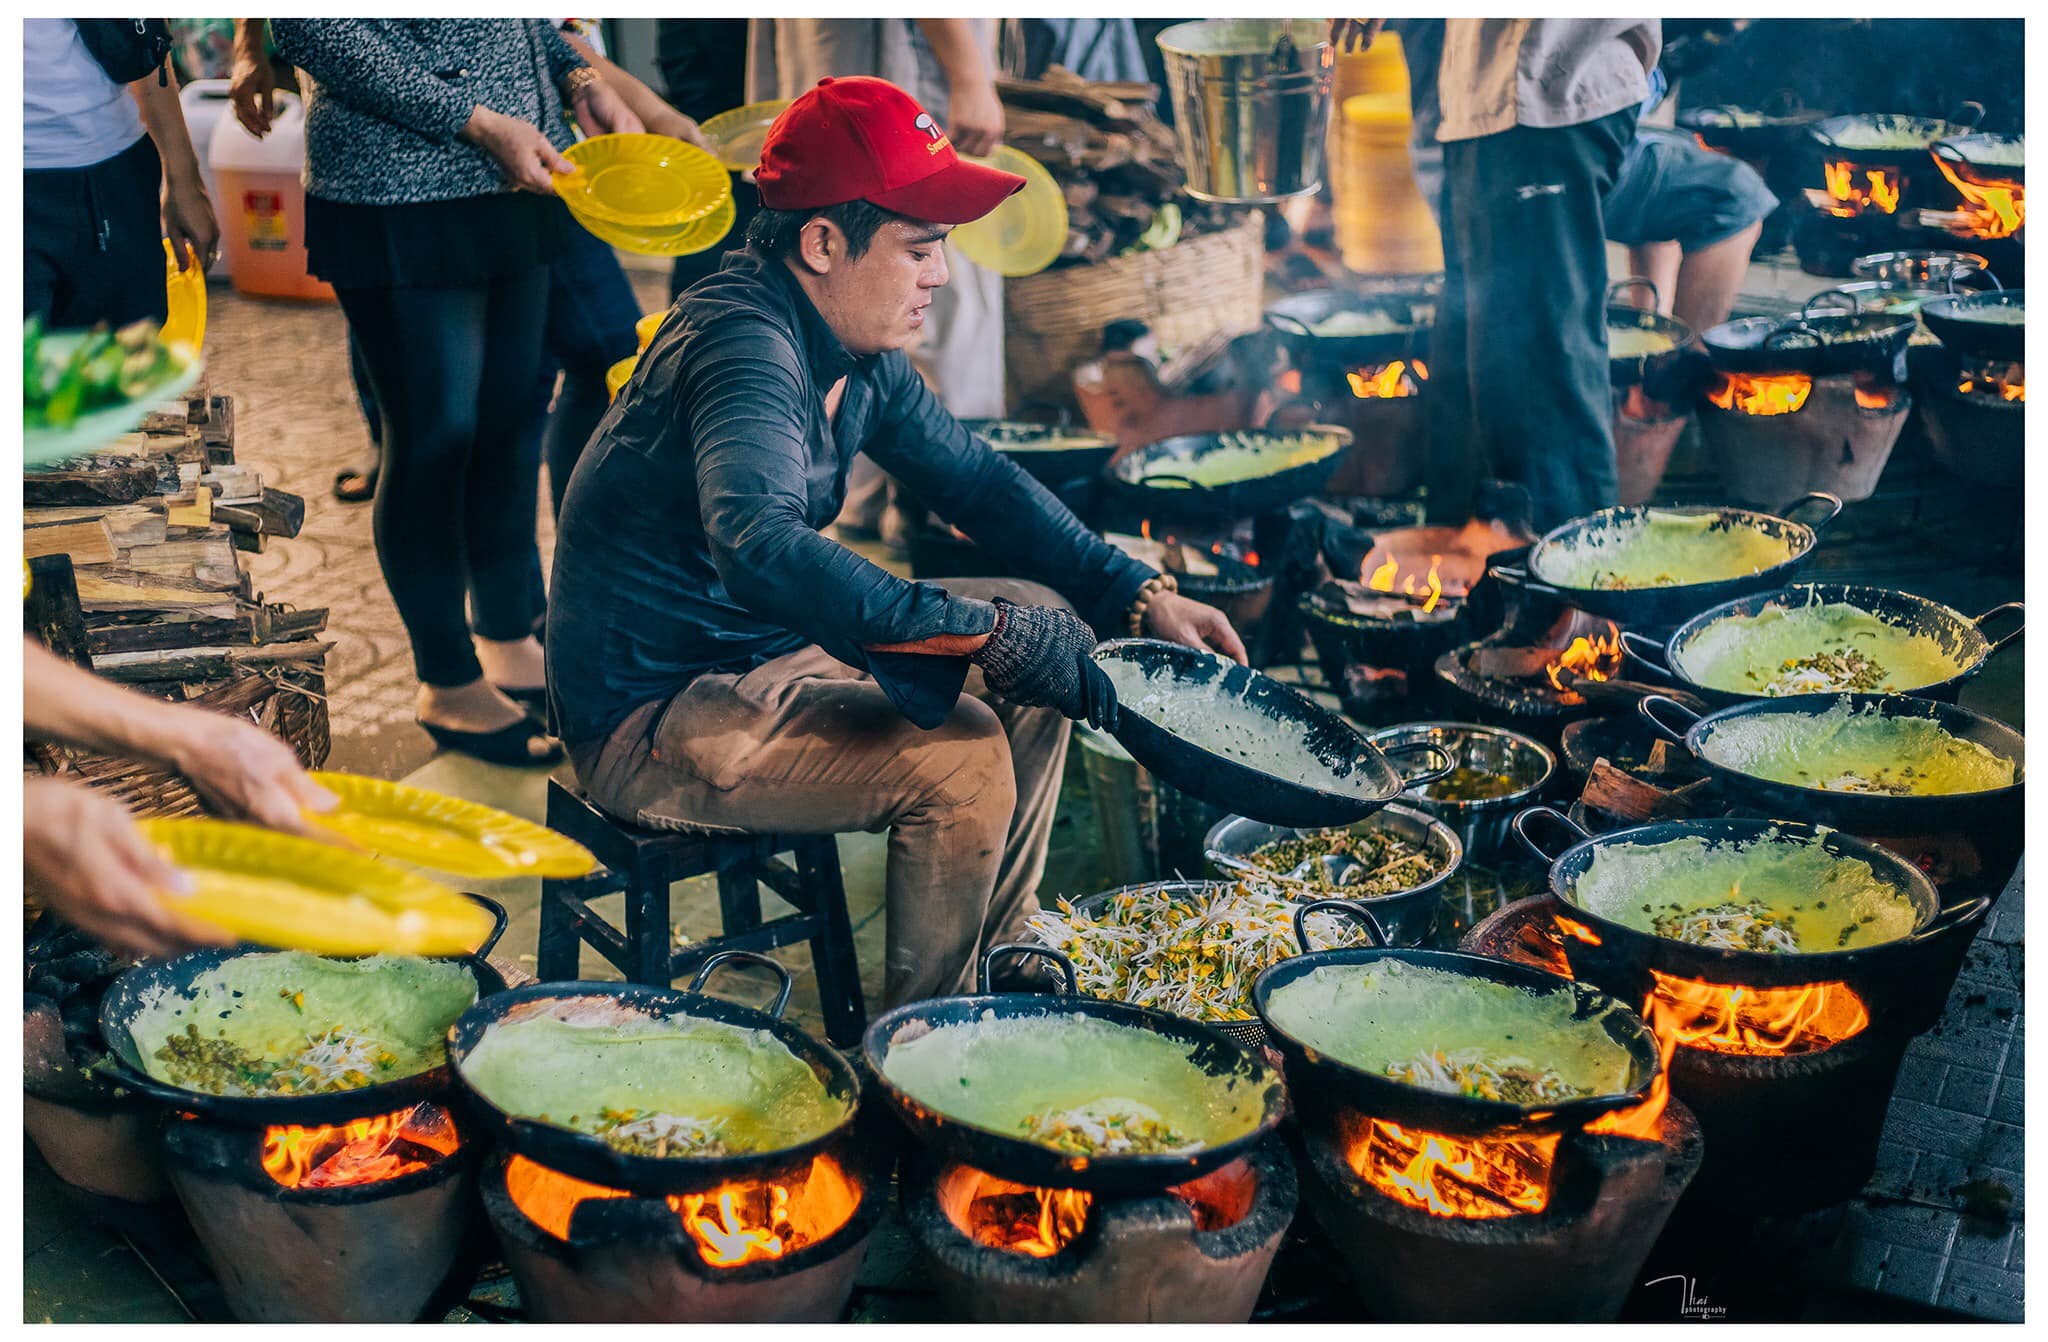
pixel 645 862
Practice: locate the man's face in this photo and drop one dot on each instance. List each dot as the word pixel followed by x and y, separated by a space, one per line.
pixel 877 302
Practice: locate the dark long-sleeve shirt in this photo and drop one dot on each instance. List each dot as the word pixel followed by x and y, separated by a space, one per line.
pixel 689 540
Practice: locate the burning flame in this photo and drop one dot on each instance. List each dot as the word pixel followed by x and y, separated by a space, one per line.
pixel 1597 658
pixel 733 1224
pixel 361 1151
pixel 1382 580
pixel 1017 1218
pixel 1466 1177
pixel 1767 1022
pixel 1643 1122
pixel 2009 386
pixel 1763 393
pixel 1391 381
pixel 1875 398
pixel 1879 189
pixel 1997 208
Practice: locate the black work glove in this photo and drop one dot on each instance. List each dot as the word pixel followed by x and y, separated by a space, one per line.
pixel 1039 655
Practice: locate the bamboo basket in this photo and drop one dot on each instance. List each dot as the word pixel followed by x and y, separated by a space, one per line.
pixel 1196 289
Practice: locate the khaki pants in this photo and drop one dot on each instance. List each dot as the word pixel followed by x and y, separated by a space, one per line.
pixel 805 744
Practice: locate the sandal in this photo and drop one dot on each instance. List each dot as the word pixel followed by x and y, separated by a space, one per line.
pixel 533 697
pixel 511 745
pixel 356 484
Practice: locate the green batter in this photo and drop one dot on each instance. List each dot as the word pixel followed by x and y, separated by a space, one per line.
pixel 1843 750
pixel 1813 649
pixel 1452 1032
pixel 1238 457
pixel 292 1023
pixel 1060 1080
pixel 685 1086
pixel 1778 895
pixel 1631 342
pixel 1661 549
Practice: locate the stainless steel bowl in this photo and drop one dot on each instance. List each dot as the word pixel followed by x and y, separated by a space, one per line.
pixel 1406 916
pixel 1482 826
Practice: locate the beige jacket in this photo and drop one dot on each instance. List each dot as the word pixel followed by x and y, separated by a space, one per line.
pixel 1500 73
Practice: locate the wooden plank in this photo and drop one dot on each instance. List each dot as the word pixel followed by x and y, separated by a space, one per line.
pixel 52 612
pixel 86 542
pixel 203 663
pixel 123 483
pixel 278 513
pixel 129 523
pixel 266 624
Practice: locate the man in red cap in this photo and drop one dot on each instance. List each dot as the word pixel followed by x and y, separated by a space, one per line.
pixel 714 660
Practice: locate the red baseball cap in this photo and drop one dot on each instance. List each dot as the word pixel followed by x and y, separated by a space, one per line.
pixel 860 138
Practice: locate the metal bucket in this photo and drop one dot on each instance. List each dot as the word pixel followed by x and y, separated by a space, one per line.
pixel 1251 103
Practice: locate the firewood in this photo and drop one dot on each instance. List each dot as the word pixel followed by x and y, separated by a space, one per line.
pixel 1625 797
pixel 189 664
pixel 277 513
pixel 1625 693
pixel 1510 663
pixel 128 524
pixel 262 624
pixel 86 542
pixel 122 483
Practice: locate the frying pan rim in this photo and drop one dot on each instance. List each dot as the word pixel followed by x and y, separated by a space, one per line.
pixel 1124 470
pixel 1436 827
pixel 1691 629
pixel 1554 536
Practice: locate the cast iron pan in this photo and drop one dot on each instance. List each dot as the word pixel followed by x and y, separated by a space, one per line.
pixel 583 1156
pixel 1313 1073
pixel 127 996
pixel 1958 319
pixel 1747 134
pixel 1232 785
pixel 1617 951
pixel 1027 1162
pixel 1624 371
pixel 2001 158
pixel 1295 317
pixel 1051 467
pixel 1965 638
pixel 1910 137
pixel 1135 477
pixel 1857 812
pixel 1819 344
pixel 1665 605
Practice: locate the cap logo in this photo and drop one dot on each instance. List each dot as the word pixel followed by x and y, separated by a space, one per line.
pixel 930 127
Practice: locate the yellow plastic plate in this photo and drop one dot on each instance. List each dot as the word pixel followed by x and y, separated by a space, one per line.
pixel 300 894
pixel 737 136
pixel 644 329
pixel 1025 233
pixel 682 240
pixel 186 291
pixel 618 375
pixel 642 182
pixel 445 833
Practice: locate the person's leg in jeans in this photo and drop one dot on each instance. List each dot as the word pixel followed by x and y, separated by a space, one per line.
pixel 427 352
pixel 1527 225
pixel 358 483
pixel 501 496
pixel 806 744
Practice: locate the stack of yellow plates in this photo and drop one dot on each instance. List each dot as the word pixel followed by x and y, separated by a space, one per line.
pixel 300 894
pixel 445 833
pixel 648 193
pixel 736 136
pixel 1025 233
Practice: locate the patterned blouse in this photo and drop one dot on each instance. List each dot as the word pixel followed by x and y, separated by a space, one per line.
pixel 386 100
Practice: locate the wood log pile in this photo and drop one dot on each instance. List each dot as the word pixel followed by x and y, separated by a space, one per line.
pixel 1114 159
pixel 135 572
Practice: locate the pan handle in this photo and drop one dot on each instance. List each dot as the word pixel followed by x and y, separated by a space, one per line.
pixel 1646 650
pixel 1994 613
pixel 1855 304
pixel 1649 706
pixel 1948 919
pixel 1795 326
pixel 1290 323
pixel 497 912
pixel 1967 269
pixel 1016 948
pixel 1521 827
pixel 1967 114
pixel 1374 933
pixel 753 958
pixel 1517 575
pixel 1427 776
pixel 1636 282
pixel 1150 478
pixel 1820 496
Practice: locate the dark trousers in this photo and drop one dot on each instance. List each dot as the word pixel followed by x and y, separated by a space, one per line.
pixel 1519 386
pixel 452 372
pixel 92 241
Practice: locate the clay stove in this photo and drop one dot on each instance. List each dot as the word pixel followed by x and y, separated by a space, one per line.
pixel 1779 436
pixel 780 1249
pixel 1502 1227
pixel 357 1222
pixel 1536 677
pixel 1003 1252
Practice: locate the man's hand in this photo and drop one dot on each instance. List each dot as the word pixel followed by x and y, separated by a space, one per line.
pixel 1184 620
pixel 528 158
pixel 89 861
pixel 1354 35
pixel 977 116
pixel 252 87
pixel 1039 655
pixel 188 221
pixel 601 111
pixel 246 772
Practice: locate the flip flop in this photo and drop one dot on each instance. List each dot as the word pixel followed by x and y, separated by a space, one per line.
pixel 511 745
pixel 356 484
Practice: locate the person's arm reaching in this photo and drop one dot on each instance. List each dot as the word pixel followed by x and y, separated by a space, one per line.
pixel 973 110
pixel 252 84
pixel 187 214
pixel 236 765
pixel 655 114
pixel 84 856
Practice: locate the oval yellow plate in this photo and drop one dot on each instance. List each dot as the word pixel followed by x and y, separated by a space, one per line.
pixel 618 375
pixel 304 895
pixel 1025 233
pixel 185 294
pixel 448 834
pixel 642 182
pixel 644 329
pixel 737 136
pixel 681 240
